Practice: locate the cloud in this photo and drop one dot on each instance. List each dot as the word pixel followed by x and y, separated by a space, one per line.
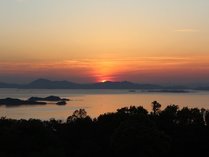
pixel 187 30
pixel 20 0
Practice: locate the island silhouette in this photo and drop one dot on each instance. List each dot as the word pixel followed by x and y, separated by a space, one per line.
pixel 9 102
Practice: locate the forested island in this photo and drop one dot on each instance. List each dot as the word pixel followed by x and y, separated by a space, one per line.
pixel 130 131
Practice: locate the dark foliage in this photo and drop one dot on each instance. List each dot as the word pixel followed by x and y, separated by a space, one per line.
pixel 130 131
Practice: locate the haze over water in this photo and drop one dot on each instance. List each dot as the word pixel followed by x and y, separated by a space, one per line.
pixel 95 102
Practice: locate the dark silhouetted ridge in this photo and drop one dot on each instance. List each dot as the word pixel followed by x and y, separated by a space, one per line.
pixel 48 84
pixel 9 85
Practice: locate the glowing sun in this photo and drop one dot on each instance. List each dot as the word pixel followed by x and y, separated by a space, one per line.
pixel 104 81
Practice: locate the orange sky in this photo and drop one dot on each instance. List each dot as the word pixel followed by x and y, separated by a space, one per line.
pixel 151 41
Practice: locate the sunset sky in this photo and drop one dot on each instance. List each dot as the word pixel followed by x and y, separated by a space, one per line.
pixel 145 41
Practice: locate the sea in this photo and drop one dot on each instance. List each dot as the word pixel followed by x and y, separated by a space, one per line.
pixel 95 102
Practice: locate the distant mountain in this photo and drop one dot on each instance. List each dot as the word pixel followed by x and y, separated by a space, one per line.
pixel 202 88
pixel 48 84
pixel 9 85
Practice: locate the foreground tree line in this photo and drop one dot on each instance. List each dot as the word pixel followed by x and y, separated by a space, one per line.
pixel 131 131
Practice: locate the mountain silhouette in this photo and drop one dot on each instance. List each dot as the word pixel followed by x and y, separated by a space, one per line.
pixel 9 85
pixel 48 84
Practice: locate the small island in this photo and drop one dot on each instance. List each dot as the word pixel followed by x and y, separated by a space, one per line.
pixel 49 98
pixel 33 101
pixel 169 91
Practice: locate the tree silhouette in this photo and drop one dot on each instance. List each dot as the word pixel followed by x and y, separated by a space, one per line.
pixel 170 113
pixel 132 110
pixel 78 114
pixel 131 131
pixel 156 107
pixel 192 116
pixel 207 118
pixel 139 137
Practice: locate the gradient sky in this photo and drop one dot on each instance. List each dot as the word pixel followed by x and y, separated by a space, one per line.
pixel 148 41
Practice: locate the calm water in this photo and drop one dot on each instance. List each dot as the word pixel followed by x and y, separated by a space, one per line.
pixel 95 102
